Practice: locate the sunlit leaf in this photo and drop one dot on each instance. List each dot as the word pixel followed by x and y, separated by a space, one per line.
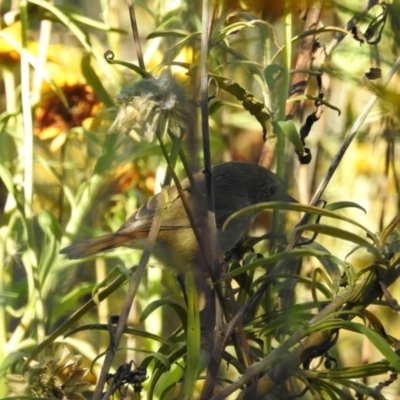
pixel 340 234
pixel 179 310
pixel 296 207
pixel 289 130
pixel 169 33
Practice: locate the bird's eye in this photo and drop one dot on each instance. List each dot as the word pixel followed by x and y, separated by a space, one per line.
pixel 273 190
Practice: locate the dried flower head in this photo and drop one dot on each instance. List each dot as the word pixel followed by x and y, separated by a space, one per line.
pixel 141 105
pixel 59 377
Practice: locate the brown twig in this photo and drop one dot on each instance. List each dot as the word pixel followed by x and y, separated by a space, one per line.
pixel 209 266
pixel 132 290
pixel 304 60
pixel 134 283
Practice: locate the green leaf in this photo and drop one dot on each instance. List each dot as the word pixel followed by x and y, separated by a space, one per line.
pixel 173 50
pixel 128 330
pixel 50 224
pixel 193 359
pixel 174 355
pixel 344 204
pixel 94 81
pixel 262 25
pixel 142 72
pixel 363 390
pixel 235 28
pixel 271 74
pixel 160 357
pixel 330 263
pixel 217 104
pixel 63 306
pixel 328 390
pixel 254 68
pixel 52 234
pixel 311 32
pixel 315 98
pixel 108 157
pixel 288 128
pixel 272 259
pixel 341 234
pixel 7 178
pixel 76 15
pixel 9 360
pixel 180 311
pixel 278 205
pixel 180 33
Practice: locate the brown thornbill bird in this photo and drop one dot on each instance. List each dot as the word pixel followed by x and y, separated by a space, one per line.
pixel 236 185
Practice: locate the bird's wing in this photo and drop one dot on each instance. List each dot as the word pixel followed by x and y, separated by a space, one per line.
pixel 174 216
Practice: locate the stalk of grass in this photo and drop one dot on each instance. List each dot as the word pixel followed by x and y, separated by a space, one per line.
pixel 30 258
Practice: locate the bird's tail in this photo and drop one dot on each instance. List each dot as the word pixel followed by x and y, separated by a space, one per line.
pixel 92 246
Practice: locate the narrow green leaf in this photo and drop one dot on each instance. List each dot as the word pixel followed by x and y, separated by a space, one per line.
pixel 217 104
pixel 63 306
pixel 311 32
pixel 344 204
pixel 180 33
pixel 341 234
pixel 9 360
pixel 193 361
pixel 128 330
pixel 142 72
pixel 160 357
pixel 254 68
pixel 175 354
pixel 234 28
pixel 272 259
pixel 363 390
pixel 76 15
pixel 50 224
pixel 271 73
pixel 7 179
pixel 180 311
pixel 377 340
pixel 94 81
pixel 288 128
pixel 296 207
pixel 315 98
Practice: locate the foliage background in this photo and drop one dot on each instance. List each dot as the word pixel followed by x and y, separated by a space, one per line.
pixel 83 182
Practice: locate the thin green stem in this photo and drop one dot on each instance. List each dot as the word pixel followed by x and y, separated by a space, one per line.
pixel 280 140
pixel 30 259
pixel 280 148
